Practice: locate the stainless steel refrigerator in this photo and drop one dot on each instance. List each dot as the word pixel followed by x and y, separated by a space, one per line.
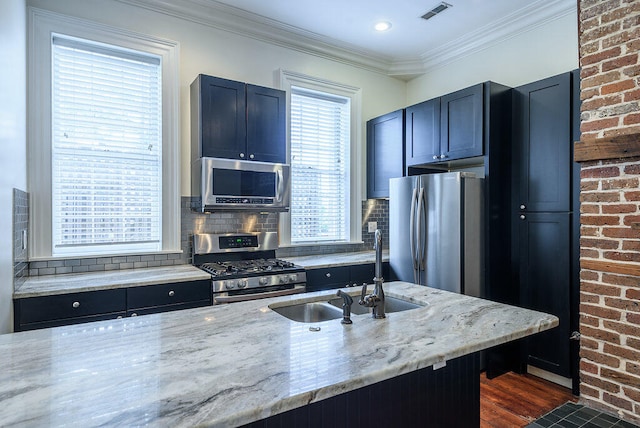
pixel 435 235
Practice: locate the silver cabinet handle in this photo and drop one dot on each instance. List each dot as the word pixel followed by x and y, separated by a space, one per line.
pixel 119 317
pixel 76 304
pixel 134 314
pixel 443 156
pixel 435 156
pixel 172 293
pixel 522 216
pixel 251 156
pixel 328 274
pixel 242 155
pixel 523 207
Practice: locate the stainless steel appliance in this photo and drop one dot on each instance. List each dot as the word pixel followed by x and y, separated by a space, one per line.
pixel 243 266
pixel 227 184
pixel 435 235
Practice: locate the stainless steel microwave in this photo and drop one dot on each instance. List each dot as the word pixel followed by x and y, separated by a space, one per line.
pixel 228 184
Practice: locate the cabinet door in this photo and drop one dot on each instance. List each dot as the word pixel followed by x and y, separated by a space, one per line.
pixel 223 117
pixel 266 124
pixel 461 124
pixel 545 268
pixel 542 127
pixel 423 133
pixel 385 138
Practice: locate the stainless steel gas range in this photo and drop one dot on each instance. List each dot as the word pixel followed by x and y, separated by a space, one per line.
pixel 243 266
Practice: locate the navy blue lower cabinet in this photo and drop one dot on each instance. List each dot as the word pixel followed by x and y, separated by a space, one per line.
pixel 447 397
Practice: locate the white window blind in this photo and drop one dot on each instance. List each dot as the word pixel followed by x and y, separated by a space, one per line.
pixel 106 148
pixel 320 139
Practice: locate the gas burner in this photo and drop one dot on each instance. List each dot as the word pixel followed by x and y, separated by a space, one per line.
pixel 244 267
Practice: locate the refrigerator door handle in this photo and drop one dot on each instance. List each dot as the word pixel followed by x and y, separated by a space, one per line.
pixel 422 234
pixel 412 223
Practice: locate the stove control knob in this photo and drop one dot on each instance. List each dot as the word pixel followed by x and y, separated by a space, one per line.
pixel 263 280
pixel 230 285
pixel 242 283
pixel 293 277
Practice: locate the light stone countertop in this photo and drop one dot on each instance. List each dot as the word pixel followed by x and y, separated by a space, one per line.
pixel 229 365
pixel 337 259
pixel 48 285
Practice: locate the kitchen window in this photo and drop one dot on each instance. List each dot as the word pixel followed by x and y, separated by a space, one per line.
pixel 102 160
pixel 324 152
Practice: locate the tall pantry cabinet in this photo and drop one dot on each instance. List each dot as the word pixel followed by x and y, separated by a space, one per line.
pixel 544 201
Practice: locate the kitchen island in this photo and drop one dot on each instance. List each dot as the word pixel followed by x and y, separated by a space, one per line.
pixel 235 364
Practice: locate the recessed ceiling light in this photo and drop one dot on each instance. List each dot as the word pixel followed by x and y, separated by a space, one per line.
pixel 382 26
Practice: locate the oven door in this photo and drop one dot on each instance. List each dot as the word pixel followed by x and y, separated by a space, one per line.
pixel 244 185
pixel 257 293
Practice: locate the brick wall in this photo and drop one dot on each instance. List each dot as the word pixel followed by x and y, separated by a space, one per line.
pixel 610 209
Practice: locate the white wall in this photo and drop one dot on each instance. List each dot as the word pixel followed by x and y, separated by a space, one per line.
pixel 542 52
pixel 12 139
pixel 210 51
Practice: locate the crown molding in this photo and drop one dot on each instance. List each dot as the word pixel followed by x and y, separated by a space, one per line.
pixel 228 18
pixel 536 14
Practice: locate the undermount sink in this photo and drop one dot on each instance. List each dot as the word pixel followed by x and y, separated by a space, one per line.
pixel 310 312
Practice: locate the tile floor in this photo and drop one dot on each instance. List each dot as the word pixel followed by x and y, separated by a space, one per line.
pixel 572 415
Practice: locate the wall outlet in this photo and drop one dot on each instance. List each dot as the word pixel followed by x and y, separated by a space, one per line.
pixel 372 225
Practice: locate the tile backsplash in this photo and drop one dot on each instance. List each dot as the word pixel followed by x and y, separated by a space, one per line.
pixel 195 222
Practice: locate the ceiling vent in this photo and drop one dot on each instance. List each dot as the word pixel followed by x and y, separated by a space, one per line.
pixel 436 10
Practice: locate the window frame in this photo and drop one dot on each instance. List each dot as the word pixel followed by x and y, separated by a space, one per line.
pixel 42 26
pixel 289 79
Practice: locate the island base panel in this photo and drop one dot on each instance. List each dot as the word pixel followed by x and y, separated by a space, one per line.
pixel 447 397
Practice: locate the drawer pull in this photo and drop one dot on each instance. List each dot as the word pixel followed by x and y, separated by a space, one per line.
pixel 172 293
pixel 328 274
pixel 134 314
pixel 76 304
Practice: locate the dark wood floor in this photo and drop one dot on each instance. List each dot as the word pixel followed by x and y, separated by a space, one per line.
pixel 514 400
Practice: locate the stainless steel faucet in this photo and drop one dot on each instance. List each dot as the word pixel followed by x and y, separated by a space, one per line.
pixel 375 300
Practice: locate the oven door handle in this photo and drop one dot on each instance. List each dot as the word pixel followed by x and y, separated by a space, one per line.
pixel 246 297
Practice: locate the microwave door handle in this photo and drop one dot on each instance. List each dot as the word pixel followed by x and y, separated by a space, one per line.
pixel 279 185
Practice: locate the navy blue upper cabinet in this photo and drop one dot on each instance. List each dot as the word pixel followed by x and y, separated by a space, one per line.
pixel 423 132
pixel 461 126
pixel 446 128
pixel 266 123
pixel 234 120
pixel 385 140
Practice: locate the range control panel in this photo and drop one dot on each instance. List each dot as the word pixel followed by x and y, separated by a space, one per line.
pixel 238 241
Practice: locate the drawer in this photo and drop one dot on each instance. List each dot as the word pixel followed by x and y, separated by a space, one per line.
pixel 168 294
pixel 73 305
pixel 361 274
pixel 320 279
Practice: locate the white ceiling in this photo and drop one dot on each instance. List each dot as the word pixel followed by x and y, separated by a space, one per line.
pixel 343 29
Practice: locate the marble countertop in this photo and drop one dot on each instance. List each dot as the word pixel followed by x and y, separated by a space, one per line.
pixel 232 364
pixel 337 259
pixel 48 285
